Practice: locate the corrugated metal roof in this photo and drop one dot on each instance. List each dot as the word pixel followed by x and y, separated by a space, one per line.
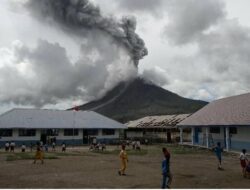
pixel 163 121
pixel 41 118
pixel 233 110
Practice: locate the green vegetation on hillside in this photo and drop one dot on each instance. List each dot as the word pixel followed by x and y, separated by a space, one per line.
pixel 138 98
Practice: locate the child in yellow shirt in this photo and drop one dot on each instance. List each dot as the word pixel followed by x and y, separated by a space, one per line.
pixel 39 154
pixel 124 160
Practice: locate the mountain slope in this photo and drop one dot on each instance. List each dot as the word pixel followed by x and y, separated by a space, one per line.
pixel 138 98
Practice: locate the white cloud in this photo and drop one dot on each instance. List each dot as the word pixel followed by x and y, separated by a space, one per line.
pixel 45 75
pixel 190 18
pixel 220 64
pixel 156 75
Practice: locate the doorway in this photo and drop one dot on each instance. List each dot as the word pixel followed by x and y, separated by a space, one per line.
pixel 169 140
pixel 196 135
pixel 85 138
pixel 43 138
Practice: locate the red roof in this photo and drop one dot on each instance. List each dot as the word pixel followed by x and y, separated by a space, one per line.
pixel 233 110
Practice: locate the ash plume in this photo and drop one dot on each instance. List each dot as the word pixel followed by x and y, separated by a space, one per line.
pixel 81 15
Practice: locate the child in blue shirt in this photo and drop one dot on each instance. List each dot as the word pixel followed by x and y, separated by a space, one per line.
pixel 218 151
pixel 165 169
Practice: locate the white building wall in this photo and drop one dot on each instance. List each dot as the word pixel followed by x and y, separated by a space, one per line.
pixel 99 133
pixel 133 134
pixel 186 136
pixel 215 136
pixel 236 141
pixel 243 134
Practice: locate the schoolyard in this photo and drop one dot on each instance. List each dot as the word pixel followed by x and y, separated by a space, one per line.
pixel 81 168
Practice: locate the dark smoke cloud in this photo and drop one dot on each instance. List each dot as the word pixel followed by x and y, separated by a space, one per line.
pixel 82 16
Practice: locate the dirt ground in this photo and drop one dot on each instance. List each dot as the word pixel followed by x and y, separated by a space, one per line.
pixel 80 168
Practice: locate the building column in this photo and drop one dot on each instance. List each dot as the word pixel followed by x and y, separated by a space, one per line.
pixel 227 138
pixel 192 134
pixel 207 138
pixel 181 135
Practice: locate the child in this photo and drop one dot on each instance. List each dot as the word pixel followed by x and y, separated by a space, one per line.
pixel 103 147
pixel 63 147
pixel 23 147
pixel 7 146
pixel 243 161
pixel 138 145
pixel 91 147
pixel 218 151
pixel 39 154
pixel 12 146
pixel 31 147
pixel 53 146
pixel 247 171
pixel 124 159
pixel 166 169
pixel 46 147
pixel 133 144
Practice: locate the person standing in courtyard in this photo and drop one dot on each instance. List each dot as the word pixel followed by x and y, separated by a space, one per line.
pixel 39 153
pixel 166 174
pixel 218 152
pixel 23 147
pixel 247 170
pixel 12 146
pixel 124 160
pixel 243 161
pixel 63 147
pixel 54 146
pixel 31 147
pixel 7 146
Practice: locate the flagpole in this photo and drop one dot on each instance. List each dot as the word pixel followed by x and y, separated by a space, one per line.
pixel 74 123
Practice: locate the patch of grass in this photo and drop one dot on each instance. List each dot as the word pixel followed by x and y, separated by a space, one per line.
pixel 129 152
pixel 67 154
pixel 19 156
pixel 3 152
pixel 137 152
pixel 50 157
pixel 47 155
pixel 192 150
pixel 179 149
pixel 10 158
pixel 27 156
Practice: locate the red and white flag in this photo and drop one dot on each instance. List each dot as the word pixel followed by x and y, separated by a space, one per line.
pixel 76 108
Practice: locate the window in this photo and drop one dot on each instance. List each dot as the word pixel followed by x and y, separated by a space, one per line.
pixel 108 132
pixel 5 132
pixel 69 132
pixel 214 129
pixel 93 132
pixel 198 129
pixel 27 132
pixel 52 132
pixel 232 130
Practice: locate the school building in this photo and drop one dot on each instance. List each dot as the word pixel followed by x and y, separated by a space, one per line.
pixel 155 128
pixel 225 120
pixel 72 127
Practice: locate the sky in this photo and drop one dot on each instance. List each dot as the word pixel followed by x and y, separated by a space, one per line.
pixel 57 54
